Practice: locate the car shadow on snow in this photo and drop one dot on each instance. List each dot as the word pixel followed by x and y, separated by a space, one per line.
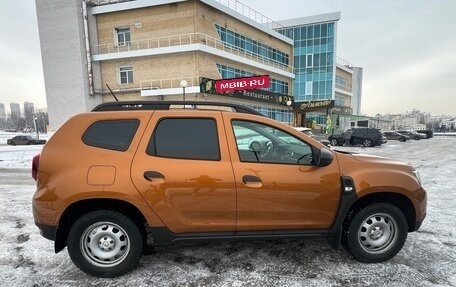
pixel 256 262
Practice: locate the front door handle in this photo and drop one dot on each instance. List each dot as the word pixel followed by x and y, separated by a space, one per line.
pixel 154 176
pixel 252 181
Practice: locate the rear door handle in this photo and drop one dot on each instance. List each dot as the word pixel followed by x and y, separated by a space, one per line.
pixel 154 176
pixel 252 181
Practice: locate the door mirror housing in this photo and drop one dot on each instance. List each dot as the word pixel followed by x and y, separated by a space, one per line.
pixel 325 157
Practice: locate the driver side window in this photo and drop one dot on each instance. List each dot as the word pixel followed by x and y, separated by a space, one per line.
pixel 261 143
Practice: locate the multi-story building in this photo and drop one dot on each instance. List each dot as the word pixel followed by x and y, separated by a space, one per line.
pixel 3 125
pixel 29 115
pixel 326 90
pixel 15 118
pixel 2 111
pixel 144 50
pixel 15 109
pixel 29 108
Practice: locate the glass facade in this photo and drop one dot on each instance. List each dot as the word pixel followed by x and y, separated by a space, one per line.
pixel 250 46
pixel 314 60
pixel 281 115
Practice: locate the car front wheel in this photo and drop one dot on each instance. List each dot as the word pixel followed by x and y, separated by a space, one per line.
pixel 334 142
pixel 367 143
pixel 376 233
pixel 105 243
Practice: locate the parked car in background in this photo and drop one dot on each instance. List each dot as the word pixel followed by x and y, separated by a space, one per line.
pixel 429 133
pixel 413 134
pixel 360 136
pixel 391 135
pixel 24 140
pixel 307 131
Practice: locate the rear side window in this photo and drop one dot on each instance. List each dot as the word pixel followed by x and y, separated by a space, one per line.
pixel 186 139
pixel 111 134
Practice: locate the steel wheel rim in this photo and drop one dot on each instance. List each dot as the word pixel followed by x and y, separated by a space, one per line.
pixel 378 233
pixel 367 143
pixel 105 244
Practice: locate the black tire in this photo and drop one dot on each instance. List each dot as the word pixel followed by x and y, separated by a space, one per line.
pixel 367 143
pixel 334 142
pixel 376 233
pixel 402 139
pixel 105 243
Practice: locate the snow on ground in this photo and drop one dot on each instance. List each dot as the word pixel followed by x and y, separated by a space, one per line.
pixel 17 156
pixel 427 259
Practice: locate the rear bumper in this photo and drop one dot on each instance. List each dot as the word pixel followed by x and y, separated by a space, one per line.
pixel 47 231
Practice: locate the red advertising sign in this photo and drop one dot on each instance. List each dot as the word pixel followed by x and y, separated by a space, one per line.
pixel 248 83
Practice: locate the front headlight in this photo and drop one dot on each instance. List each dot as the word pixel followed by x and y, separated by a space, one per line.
pixel 417 175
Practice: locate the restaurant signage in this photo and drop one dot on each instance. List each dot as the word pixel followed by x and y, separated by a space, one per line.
pixel 209 86
pixel 238 84
pixel 315 105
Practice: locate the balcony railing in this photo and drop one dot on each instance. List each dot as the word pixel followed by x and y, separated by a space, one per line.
pixel 106 2
pixel 232 4
pixel 250 13
pixel 169 83
pixel 344 62
pixel 187 39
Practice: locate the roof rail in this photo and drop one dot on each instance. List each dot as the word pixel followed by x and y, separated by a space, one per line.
pixel 166 105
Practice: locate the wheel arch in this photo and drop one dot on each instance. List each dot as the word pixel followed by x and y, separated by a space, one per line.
pixel 399 200
pixel 79 208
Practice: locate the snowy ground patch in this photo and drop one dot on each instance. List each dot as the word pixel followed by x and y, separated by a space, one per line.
pixel 427 259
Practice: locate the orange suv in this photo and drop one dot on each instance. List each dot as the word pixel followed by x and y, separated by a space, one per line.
pixel 131 174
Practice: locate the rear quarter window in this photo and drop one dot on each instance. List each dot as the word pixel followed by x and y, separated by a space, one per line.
pixel 111 134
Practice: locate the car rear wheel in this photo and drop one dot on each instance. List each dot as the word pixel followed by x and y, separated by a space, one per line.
pixel 105 243
pixel 367 142
pixel 334 142
pixel 376 233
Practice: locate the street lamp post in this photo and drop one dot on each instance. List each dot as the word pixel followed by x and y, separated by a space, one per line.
pixel 289 107
pixel 183 84
pixel 35 125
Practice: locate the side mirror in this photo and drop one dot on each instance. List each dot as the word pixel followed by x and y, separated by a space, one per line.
pixel 325 158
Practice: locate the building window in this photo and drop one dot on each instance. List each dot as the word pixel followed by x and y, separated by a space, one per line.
pixel 123 36
pixel 309 88
pixel 309 62
pixel 281 115
pixel 126 75
pixel 237 41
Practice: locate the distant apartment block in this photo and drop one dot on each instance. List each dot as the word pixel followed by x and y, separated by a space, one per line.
pixel 2 111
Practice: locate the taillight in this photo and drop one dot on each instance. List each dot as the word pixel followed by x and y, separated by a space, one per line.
pixel 35 164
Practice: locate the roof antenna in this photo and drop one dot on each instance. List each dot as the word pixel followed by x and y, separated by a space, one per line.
pixel 112 93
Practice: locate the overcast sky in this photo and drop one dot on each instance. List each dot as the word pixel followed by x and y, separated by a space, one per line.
pixel 407 49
